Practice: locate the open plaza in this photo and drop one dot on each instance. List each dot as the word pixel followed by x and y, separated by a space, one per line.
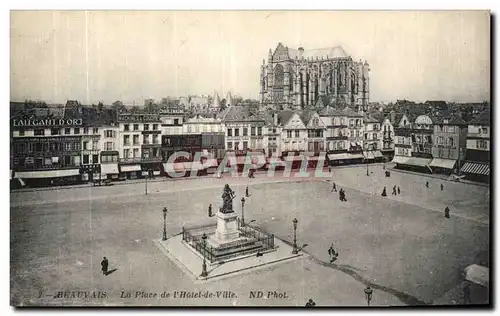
pixel 402 246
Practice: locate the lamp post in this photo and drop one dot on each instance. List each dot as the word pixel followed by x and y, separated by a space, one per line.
pixel 295 250
pixel 204 273
pixel 368 294
pixel 164 223
pixel 146 188
pixel 242 211
pixel 367 173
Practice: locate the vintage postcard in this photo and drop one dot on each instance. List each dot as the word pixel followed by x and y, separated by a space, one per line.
pixel 250 158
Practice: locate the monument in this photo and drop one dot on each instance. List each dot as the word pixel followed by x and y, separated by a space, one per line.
pixel 227 219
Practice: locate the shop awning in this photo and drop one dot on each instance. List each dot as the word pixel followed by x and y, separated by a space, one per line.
pixel 47 173
pixel 342 156
pixel 353 144
pixel 130 168
pixel 368 155
pixel 443 163
pixel 400 159
pixel 174 167
pixel 419 162
pixel 472 167
pixel 109 168
pixel 356 156
pixel 378 154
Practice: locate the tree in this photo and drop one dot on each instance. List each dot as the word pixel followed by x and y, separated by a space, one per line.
pixel 118 106
pixel 100 107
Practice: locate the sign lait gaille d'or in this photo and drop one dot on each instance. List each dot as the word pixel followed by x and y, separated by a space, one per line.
pixel 30 122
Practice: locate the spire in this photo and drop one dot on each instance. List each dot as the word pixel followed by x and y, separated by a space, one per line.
pixel 229 99
pixel 216 101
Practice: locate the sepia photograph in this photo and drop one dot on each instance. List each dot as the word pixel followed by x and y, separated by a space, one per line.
pixel 250 158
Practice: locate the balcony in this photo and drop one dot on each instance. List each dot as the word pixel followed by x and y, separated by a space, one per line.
pixel 139 159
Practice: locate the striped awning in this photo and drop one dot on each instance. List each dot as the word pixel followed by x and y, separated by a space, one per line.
pixel 368 155
pixel 476 168
pixel 342 156
pixel 443 163
pixel 400 159
pixel 420 162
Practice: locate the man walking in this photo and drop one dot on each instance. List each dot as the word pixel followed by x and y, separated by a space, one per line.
pixel 399 190
pixel 427 184
pixel 442 187
pixel 104 266
pixel 210 211
pixel 447 212
pixel 246 192
pixel 332 253
pixel 334 187
pixel 394 190
pixel 384 192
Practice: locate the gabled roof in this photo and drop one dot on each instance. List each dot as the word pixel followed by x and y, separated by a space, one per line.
pixel 285 116
pixel 329 111
pixel 482 118
pixel 370 119
pixel 306 116
pixel 350 113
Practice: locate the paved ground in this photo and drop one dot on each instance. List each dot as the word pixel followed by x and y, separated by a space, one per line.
pixel 402 246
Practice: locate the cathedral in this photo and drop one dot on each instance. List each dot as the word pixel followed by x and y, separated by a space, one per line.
pixel 299 78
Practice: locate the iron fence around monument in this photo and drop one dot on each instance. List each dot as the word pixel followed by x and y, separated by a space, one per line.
pixel 256 241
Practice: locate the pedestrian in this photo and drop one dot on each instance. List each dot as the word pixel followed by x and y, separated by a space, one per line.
pixel 246 192
pixel 104 266
pixel 210 211
pixel 340 195
pixel 310 303
pixel 384 192
pixel 399 190
pixel 467 293
pixel 332 253
pixel 447 212
pixel 442 187
pixel 394 190
pixel 334 188
pixel 427 184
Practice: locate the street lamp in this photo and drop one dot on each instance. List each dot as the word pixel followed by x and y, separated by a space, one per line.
pixel 242 211
pixel 204 273
pixel 367 173
pixel 164 223
pixel 146 188
pixel 368 294
pixel 295 250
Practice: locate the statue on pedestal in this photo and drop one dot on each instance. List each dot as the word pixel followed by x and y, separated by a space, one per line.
pixel 227 199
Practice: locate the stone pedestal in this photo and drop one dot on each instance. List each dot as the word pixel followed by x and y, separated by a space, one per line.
pixel 227 227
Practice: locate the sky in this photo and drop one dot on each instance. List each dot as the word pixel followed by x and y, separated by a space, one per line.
pixel 93 56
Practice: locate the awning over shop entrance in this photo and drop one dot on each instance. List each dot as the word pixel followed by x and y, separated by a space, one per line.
pixel 419 162
pixel 400 159
pixel 342 156
pixel 443 163
pixel 47 174
pixel 109 168
pixel 378 154
pixel 130 168
pixel 474 168
pixel 368 155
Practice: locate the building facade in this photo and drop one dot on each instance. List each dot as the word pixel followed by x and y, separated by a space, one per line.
pixel 449 144
pixel 296 78
pixel 478 152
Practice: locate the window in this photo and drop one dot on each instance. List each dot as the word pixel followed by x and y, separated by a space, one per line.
pixel 77 130
pixel 176 121
pixel 85 130
pixel 109 133
pixel 230 145
pixel 126 127
pixel 259 130
pixel 85 159
pixel 95 158
pixel 136 127
pixel 146 127
pixel 245 145
pixel 67 146
pixel 145 139
pixel 95 145
pixel 274 130
pixel 450 141
pixel 483 130
pixel 108 146
pixel 95 130
pixel 39 132
pixel 297 133
pixel 245 131
pixel 136 153
pixel 236 132
pixel 236 145
pixel 21 132
pixel 126 153
pixel 85 145
pixel 155 127
pixel 155 139
pixel 189 128
pixel 126 140
pixel 229 132
pixel 252 131
pixel 67 131
pixel 136 140
pixel 289 134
